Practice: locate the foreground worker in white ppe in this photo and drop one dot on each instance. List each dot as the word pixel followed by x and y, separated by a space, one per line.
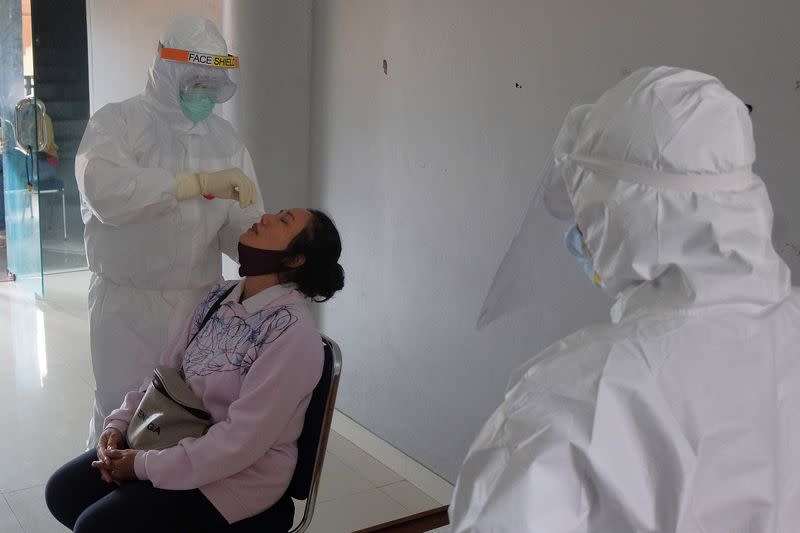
pixel 166 186
pixel 682 414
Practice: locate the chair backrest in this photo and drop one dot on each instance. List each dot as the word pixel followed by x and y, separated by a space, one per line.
pixel 313 440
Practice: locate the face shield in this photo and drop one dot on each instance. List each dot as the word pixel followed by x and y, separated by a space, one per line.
pixel 204 75
pixel 554 196
pixel 528 265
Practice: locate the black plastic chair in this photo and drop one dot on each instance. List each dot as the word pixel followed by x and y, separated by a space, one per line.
pixel 313 440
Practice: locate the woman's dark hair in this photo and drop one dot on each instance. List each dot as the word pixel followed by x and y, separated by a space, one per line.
pixel 321 275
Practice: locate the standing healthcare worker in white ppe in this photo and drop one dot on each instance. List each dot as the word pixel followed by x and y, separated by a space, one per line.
pixel 166 187
pixel 681 415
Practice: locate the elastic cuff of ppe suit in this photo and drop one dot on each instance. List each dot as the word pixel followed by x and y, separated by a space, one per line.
pixel 188 186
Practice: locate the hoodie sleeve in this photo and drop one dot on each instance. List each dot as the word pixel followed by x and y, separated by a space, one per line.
pixel 120 419
pixel 276 389
pixel 112 185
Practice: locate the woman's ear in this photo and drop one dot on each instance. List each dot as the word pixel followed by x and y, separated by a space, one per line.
pixel 296 261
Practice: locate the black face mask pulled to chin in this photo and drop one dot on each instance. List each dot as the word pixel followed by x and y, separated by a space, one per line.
pixel 257 262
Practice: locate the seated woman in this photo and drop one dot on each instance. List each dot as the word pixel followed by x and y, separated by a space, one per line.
pixel 254 366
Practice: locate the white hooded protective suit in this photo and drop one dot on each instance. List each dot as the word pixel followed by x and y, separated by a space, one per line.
pixel 680 415
pixel 152 257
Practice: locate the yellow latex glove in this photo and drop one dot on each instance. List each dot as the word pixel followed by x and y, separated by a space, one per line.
pixel 231 183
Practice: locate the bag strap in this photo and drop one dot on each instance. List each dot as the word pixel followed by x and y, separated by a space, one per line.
pixel 211 312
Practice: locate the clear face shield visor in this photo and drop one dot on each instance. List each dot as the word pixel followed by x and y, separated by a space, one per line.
pixel 553 194
pixel 529 266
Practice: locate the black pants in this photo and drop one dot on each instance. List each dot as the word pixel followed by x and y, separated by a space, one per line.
pixel 78 498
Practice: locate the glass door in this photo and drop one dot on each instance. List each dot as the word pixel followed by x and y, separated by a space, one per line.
pixel 23 136
pixel 60 61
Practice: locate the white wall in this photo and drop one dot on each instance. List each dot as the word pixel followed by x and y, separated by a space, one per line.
pixel 428 169
pixel 271 111
pixel 123 37
pixel 271 108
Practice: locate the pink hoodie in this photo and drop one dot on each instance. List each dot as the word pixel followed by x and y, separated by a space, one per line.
pixel 254 366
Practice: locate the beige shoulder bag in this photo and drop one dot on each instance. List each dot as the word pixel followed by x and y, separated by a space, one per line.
pixel 169 410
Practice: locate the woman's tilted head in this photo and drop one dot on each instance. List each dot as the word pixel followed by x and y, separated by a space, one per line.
pixel 318 275
pixel 302 246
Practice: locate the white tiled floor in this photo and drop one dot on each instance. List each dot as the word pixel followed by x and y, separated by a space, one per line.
pixel 45 393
